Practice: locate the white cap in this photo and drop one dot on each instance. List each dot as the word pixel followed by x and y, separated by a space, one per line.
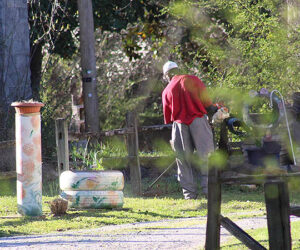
pixel 169 65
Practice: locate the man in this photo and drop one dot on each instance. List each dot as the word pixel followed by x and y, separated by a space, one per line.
pixel 185 103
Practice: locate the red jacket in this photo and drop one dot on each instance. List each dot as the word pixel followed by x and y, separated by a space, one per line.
pixel 184 99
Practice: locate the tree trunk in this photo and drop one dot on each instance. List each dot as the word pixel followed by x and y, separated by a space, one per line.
pixel 36 70
pixel 14 61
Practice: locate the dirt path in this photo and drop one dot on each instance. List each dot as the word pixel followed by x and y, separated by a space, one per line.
pixel 170 234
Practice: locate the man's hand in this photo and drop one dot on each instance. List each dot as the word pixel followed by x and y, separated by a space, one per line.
pixel 220 115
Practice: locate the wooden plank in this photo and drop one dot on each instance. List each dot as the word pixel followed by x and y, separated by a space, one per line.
pixel 213 210
pixel 277 206
pixel 119 131
pixel 133 148
pixel 5 144
pixel 62 149
pixel 8 175
pixel 240 234
pixel 155 127
pixel 259 178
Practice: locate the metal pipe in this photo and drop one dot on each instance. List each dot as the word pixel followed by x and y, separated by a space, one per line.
pixel 158 178
pixel 286 120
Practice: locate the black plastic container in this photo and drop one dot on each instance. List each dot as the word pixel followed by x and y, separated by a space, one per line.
pixel 270 151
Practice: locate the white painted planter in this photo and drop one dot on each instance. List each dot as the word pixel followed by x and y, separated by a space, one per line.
pixel 92 189
pixel 93 199
pixel 111 180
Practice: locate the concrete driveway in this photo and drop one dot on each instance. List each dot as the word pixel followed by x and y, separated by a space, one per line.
pixel 188 233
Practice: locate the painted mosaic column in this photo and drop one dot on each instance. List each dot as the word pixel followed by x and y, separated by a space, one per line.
pixel 28 157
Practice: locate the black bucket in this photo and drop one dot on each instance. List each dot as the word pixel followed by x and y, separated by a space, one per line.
pixel 270 152
pixel 259 158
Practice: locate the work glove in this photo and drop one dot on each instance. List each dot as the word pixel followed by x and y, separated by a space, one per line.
pixel 220 115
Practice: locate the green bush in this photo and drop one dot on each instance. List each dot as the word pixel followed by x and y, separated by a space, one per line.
pixel 55 94
pixel 248 44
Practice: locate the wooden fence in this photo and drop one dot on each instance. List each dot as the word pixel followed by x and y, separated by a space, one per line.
pixel 276 193
pixel 131 131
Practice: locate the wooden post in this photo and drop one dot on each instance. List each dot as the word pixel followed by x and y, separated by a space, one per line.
pixel 223 141
pixel 213 210
pixel 62 147
pixel 88 65
pixel 277 206
pixel 240 234
pixel 133 148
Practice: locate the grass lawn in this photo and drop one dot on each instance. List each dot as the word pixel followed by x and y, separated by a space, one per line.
pixel 163 202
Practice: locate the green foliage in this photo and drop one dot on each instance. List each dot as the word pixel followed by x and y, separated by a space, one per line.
pixel 114 15
pixel 85 160
pixel 55 94
pixel 233 46
pixel 54 26
pixel 51 188
pixel 92 158
pixel 126 85
pixel 113 155
pixel 52 23
pixel 55 23
pixel 218 159
pixel 241 43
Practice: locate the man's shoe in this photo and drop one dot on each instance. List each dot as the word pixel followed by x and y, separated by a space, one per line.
pixel 190 196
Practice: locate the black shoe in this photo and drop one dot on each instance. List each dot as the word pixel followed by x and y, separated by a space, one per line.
pixel 191 197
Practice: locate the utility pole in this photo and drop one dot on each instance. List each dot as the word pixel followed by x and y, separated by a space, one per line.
pixel 88 65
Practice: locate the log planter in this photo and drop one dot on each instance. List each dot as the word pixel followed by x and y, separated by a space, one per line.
pixel 92 189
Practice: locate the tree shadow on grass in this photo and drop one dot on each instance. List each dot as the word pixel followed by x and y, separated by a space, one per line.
pixel 127 215
pixel 130 213
pixel 10 233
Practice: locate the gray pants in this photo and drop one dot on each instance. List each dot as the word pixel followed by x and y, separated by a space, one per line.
pixel 192 144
